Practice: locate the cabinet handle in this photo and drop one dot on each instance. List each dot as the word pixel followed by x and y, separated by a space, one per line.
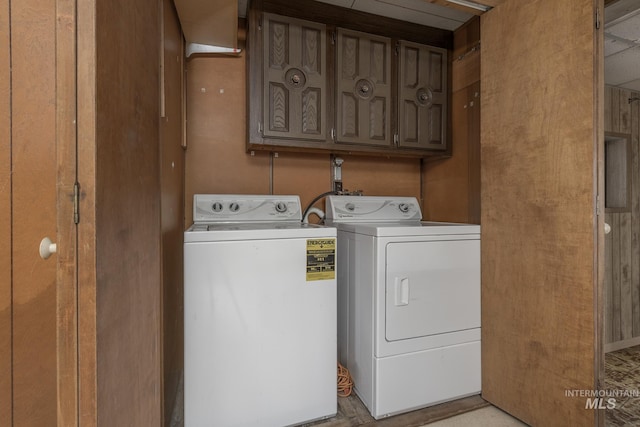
pixel 424 97
pixel 47 248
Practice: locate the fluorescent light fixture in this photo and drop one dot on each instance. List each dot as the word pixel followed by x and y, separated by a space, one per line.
pixel 205 48
pixel 471 4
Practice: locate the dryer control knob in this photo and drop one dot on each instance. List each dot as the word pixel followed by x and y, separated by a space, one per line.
pixel 281 207
pixel 234 207
pixel 350 207
pixel 404 207
pixel 216 207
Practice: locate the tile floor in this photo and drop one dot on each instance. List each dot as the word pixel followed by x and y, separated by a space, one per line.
pixel 622 373
pixel 489 416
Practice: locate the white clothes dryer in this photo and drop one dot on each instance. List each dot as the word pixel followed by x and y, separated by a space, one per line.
pixel 408 303
pixel 259 314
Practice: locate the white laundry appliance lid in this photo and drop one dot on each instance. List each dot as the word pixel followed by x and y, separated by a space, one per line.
pixel 409 228
pixel 217 232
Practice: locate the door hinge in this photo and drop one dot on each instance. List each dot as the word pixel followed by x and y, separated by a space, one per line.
pixel 598 211
pixel 76 203
pixel 597 18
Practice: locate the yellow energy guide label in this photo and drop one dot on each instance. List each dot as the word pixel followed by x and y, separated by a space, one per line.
pixel 321 259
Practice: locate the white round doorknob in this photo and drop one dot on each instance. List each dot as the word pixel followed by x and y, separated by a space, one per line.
pixel 607 228
pixel 47 247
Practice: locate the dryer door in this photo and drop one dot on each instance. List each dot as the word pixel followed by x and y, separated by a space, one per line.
pixel 432 287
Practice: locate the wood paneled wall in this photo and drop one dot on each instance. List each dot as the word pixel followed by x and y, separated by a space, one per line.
pixel 172 207
pixel 622 244
pixel 217 161
pixel 452 186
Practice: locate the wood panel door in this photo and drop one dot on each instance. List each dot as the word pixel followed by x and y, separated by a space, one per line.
pixel 295 78
pixel 28 210
pixel 118 311
pixel 363 86
pixel 422 96
pixel 542 250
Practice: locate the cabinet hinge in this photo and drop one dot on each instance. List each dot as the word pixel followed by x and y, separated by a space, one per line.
pixel 597 18
pixel 76 203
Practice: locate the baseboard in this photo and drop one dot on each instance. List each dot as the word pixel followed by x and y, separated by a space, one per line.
pixel 619 345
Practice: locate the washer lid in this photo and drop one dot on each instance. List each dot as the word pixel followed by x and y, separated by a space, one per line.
pixel 218 232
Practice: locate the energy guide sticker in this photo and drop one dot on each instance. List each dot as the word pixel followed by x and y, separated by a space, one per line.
pixel 321 259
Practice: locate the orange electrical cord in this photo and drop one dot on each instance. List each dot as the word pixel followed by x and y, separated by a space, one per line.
pixel 345 383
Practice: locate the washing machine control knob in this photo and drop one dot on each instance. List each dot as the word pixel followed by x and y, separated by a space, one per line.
pixel 404 207
pixel 234 207
pixel 217 207
pixel 281 207
pixel 350 207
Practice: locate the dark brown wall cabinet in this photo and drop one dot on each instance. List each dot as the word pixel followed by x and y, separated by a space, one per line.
pixel 295 79
pixel 422 96
pixel 363 84
pixel 318 86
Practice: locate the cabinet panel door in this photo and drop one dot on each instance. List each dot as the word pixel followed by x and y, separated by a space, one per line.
pixel 422 96
pixel 363 88
pixel 295 81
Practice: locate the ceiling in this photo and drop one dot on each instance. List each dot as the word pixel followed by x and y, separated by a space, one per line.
pixel 423 12
pixel 622 44
pixel 415 11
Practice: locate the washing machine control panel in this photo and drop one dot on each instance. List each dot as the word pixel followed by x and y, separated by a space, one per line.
pixel 245 208
pixel 372 208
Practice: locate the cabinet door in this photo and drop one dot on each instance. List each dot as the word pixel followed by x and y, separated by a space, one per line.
pixel 295 82
pixel 422 96
pixel 363 88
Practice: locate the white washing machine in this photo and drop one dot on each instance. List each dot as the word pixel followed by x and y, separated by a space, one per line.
pixel 259 314
pixel 408 303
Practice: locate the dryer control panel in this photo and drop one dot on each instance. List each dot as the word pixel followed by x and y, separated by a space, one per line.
pixel 372 208
pixel 245 208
